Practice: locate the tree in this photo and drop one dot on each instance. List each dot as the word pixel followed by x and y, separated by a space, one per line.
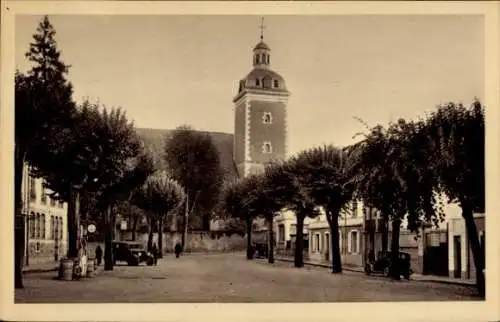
pixel 42 102
pixel 327 180
pixel 167 198
pixel 458 150
pixel 232 206
pixel 392 174
pixel 193 161
pixel 289 183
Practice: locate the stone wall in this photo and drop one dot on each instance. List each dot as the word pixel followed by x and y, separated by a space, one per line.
pixel 43 251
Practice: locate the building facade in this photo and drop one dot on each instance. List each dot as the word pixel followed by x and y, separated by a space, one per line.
pixel 46 222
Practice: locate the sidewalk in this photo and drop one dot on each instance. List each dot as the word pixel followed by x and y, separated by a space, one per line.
pixel 40 268
pixel 415 277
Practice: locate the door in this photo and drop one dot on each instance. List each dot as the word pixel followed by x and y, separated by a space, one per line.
pixel 458 256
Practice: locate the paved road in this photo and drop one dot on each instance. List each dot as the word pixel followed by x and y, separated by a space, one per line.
pixel 230 278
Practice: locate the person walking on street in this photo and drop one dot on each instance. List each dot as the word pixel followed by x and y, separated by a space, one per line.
pixel 178 250
pixel 98 254
pixel 154 250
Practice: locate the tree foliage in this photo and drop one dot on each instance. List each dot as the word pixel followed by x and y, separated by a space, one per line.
pixel 458 151
pixel 160 197
pixel 42 104
pixel 193 160
pixel 325 174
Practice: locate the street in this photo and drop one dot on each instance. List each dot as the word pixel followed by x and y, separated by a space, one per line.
pixel 230 278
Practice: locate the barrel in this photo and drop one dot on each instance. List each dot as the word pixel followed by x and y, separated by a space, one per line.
pixel 91 267
pixel 66 270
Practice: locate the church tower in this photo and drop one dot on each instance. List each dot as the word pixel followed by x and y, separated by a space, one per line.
pixel 260 114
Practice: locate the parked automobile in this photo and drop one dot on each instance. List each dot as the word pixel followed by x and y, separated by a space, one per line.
pixel 260 250
pixel 383 262
pixel 131 252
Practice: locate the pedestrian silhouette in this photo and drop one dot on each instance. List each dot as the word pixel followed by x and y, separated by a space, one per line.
pixel 98 254
pixel 154 250
pixel 178 250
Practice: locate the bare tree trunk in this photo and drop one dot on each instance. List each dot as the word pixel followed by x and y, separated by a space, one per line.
pixel 108 240
pixel 270 256
pixel 73 222
pixel 299 241
pixel 185 228
pixel 19 224
pixel 150 234
pixel 394 268
pixel 475 246
pixel 134 227
pixel 385 233
pixel 333 222
pixel 160 238
pixel 249 238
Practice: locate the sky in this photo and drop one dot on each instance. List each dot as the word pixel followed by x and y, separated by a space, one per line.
pixel 166 71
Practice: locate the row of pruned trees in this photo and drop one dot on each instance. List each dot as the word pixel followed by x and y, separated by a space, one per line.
pixel 92 158
pixel 403 170
pixel 87 154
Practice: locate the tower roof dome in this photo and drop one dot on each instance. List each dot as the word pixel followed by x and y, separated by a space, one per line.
pixel 262 46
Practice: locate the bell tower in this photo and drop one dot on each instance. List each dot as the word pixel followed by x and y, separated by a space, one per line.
pixel 260 134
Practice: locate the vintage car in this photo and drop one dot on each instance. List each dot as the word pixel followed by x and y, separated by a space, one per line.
pixel 131 252
pixel 383 262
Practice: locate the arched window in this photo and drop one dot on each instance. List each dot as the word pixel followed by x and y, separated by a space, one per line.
pixel 276 83
pixel 42 226
pixel 257 59
pixel 266 82
pixel 37 226
pixel 264 58
pixel 267 148
pixel 267 118
pixel 257 82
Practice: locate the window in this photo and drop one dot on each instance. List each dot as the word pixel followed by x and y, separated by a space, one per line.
pixel 37 226
pixel 52 202
pixel 354 212
pixel 44 196
pixel 267 148
pixel 264 58
pixel 257 82
pixel 267 118
pixel 61 228
pixel 353 242
pixel 32 184
pixel 266 82
pixel 42 226
pixel 281 233
pixel 316 242
pixel 276 83
pixel 31 225
pixel 52 228
pixel 56 228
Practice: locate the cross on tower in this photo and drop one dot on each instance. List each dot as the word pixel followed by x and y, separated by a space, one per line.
pixel 262 27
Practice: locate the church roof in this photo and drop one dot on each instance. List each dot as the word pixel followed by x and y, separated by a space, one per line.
pixel 154 139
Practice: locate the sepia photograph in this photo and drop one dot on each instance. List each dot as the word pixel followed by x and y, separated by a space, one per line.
pixel 249 158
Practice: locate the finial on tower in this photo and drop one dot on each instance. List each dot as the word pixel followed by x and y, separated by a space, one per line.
pixel 262 27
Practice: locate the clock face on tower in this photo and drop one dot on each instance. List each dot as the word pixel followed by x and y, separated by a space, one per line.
pixel 260 115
